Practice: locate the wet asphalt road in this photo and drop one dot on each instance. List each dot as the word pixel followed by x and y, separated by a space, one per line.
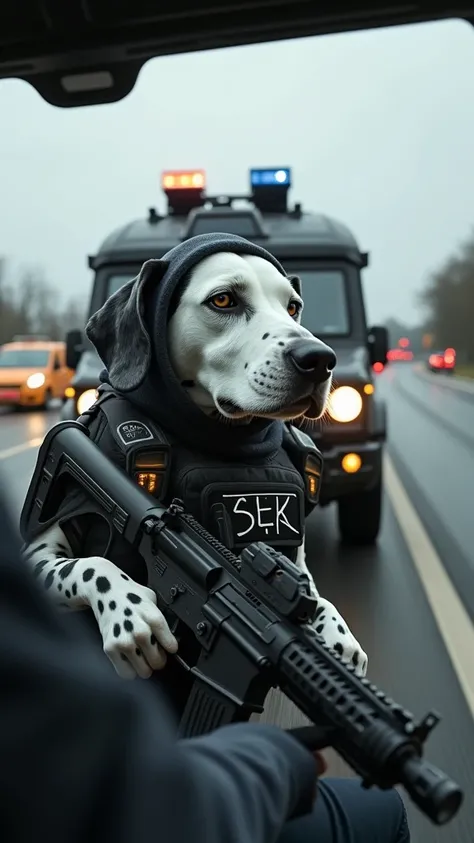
pixel 431 442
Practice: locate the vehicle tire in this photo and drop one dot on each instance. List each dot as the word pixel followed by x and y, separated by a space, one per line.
pixel 359 516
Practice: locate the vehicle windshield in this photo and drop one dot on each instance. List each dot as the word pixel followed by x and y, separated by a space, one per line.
pixel 326 311
pixel 23 358
pixel 116 281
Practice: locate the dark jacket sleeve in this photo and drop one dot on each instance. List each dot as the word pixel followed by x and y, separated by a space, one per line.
pixel 86 756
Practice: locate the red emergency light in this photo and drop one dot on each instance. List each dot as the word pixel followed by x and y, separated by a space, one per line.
pixel 404 342
pixel 183 180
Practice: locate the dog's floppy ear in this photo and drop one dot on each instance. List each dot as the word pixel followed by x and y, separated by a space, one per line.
pixel 118 330
pixel 296 284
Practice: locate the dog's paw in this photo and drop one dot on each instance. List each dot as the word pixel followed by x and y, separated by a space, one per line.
pixel 135 633
pixel 337 635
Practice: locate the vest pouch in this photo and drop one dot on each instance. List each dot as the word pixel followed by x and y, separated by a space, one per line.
pixel 243 513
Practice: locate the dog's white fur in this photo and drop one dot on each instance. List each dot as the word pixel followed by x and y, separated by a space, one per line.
pixel 235 365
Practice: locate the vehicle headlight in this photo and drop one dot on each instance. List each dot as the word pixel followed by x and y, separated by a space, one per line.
pixel 35 381
pixel 86 400
pixel 344 404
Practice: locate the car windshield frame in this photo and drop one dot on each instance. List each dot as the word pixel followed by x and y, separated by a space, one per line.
pixel 16 353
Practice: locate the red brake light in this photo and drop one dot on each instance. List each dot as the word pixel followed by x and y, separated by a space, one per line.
pixel 183 180
pixel 377 367
pixel 449 357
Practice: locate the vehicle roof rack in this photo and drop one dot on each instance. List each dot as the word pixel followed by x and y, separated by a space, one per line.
pixel 221 216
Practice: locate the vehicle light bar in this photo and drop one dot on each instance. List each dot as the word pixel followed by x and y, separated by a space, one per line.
pixel 275 177
pixel 183 180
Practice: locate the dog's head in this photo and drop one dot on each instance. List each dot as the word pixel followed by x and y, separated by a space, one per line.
pixel 236 342
pixel 234 339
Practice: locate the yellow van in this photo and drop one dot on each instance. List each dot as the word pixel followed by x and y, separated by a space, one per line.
pixel 32 371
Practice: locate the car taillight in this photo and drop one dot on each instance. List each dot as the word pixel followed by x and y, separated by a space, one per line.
pixel 449 357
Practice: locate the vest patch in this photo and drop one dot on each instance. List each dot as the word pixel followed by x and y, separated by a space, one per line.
pixel 258 515
pixel 133 431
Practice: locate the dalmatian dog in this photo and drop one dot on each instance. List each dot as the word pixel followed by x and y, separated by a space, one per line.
pixel 237 346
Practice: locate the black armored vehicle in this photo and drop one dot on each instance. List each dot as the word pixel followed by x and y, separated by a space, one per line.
pixel 326 256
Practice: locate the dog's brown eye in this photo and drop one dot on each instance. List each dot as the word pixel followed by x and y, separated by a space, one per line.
pixel 293 309
pixel 222 301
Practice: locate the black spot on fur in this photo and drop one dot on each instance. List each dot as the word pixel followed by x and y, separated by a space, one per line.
pixel 66 570
pixel 63 548
pixel 334 619
pixel 123 657
pixel 281 343
pixel 341 629
pixel 67 593
pixel 134 598
pixel 49 580
pixel 246 366
pixel 355 659
pixel 39 566
pixel 88 574
pixel 153 640
pixel 339 648
pixel 124 577
pixel 319 610
pixel 100 606
pixel 112 605
pixel 320 628
pixel 116 630
pixel 138 652
pixel 35 550
pixel 60 587
pixel 128 626
pixel 265 336
pixel 74 589
pixel 127 612
pixel 103 585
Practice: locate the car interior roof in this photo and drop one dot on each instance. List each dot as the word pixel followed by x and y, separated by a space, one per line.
pixel 86 52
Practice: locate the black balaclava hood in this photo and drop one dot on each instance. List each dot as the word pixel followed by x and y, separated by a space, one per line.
pixel 159 393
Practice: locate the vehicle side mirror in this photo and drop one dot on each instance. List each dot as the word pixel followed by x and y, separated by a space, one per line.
pixel 74 348
pixel 378 344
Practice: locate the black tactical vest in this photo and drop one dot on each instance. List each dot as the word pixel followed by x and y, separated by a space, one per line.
pixel 239 503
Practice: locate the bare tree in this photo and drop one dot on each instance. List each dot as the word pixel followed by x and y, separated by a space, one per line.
pixel 449 301
pixel 32 306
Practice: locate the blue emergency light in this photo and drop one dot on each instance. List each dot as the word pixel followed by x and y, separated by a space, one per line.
pixel 275 177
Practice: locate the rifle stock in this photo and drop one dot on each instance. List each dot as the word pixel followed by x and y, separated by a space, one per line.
pixel 250 618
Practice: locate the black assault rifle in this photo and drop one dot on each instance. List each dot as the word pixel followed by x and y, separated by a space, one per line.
pixel 249 615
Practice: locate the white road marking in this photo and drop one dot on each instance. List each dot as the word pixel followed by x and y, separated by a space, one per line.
pixel 453 622
pixel 18 449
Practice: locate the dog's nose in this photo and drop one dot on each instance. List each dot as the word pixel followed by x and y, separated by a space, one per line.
pixel 313 359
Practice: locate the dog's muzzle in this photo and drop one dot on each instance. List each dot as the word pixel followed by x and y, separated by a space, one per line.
pixel 312 359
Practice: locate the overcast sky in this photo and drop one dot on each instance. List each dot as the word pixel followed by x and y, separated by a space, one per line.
pixel 377 126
